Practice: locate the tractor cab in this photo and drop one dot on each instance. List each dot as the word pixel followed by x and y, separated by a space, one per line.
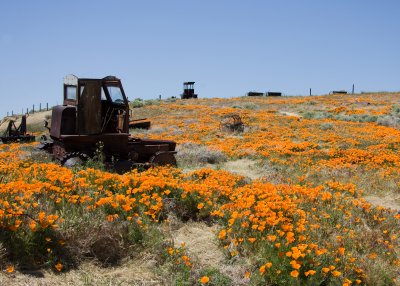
pixel 100 105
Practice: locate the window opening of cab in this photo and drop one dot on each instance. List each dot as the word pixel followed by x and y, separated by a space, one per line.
pixel 103 94
pixel 115 94
pixel 71 92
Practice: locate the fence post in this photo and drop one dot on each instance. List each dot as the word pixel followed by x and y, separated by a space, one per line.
pixel 352 89
pixel 12 112
pixel 27 111
pixel 310 91
pixel 47 106
pixel 40 106
pixel 33 108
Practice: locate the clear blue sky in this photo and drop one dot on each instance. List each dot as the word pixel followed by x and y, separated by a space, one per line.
pixel 227 47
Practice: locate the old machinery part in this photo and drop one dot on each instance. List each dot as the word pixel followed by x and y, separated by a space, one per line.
pixel 232 123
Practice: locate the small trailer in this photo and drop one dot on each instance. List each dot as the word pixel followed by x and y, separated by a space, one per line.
pixel 273 93
pixel 17 134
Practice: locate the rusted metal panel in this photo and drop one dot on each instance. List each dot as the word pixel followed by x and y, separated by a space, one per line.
pixel 63 121
pixel 71 79
pixel 89 109
pixel 114 145
pixel 140 123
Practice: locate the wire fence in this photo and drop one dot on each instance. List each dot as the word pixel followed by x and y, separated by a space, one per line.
pixel 30 110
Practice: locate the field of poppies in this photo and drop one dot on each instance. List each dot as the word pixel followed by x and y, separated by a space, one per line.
pixel 323 210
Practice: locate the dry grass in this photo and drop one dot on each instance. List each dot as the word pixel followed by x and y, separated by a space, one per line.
pixel 190 154
pixel 200 242
pixel 132 272
pixel 244 167
pixel 388 201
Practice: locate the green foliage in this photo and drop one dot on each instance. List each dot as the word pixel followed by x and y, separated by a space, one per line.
pixel 152 102
pixel 32 250
pixel 327 126
pixel 98 159
pixel 137 103
pixel 216 277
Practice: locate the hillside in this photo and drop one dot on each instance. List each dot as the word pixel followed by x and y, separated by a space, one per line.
pixel 306 193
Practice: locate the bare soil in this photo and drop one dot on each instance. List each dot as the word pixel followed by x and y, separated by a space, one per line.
pixel 200 242
pixel 388 201
pixel 287 113
pixel 244 167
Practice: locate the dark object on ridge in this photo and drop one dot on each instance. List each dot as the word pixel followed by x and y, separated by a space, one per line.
pixel 339 92
pixel 273 93
pixel 254 93
pixel 188 90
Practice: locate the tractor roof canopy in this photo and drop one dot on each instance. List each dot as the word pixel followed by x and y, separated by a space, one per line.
pixel 109 89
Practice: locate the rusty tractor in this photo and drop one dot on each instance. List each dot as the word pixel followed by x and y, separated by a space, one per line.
pixel 97 111
pixel 188 90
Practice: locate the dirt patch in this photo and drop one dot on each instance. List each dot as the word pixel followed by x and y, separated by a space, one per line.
pixel 202 246
pixel 391 202
pixel 287 113
pixel 200 242
pixel 244 167
pixel 38 117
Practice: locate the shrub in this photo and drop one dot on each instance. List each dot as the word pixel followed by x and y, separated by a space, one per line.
pixel 389 121
pixel 170 99
pixel 136 103
pixel 316 115
pixel 216 278
pixel 326 126
pixel 396 109
pixel 250 106
pixel 152 102
pixel 194 154
pixel 367 118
